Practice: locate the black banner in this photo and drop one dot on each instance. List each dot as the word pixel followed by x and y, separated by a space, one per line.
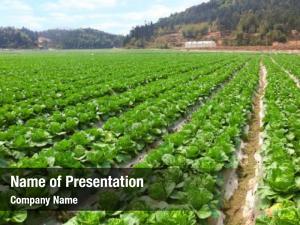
pixel 90 189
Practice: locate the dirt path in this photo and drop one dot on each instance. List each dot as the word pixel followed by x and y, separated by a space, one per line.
pixel 240 209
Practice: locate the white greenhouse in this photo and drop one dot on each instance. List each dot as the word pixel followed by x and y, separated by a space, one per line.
pixel 200 44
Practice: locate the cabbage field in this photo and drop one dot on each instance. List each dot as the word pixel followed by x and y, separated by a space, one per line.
pixel 198 113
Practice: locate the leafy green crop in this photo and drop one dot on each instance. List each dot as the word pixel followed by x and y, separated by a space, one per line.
pixel 200 150
pixel 103 110
pixel 280 189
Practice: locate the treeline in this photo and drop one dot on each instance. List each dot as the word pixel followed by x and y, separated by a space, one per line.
pixel 247 22
pixel 140 34
pixel 81 39
pixel 14 38
pixel 17 38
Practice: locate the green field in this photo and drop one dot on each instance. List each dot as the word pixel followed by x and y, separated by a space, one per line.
pixel 157 109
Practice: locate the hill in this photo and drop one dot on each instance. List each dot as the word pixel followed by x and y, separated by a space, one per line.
pixel 11 37
pixel 230 22
pixel 88 38
pixel 80 39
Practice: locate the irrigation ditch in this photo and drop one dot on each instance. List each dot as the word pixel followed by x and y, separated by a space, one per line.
pixel 242 184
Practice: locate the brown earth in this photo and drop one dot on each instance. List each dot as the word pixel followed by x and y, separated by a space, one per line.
pixel 247 170
pixel 176 40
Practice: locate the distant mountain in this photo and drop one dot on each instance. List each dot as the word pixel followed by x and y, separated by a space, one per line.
pixel 228 22
pixel 232 22
pixel 80 39
pixel 11 37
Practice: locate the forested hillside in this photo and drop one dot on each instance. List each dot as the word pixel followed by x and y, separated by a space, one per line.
pixel 240 22
pixel 228 22
pixel 11 37
pixel 81 39
pixel 17 38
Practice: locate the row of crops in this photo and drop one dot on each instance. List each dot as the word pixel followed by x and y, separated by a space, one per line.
pixel 289 62
pixel 280 190
pixel 118 114
pixel 86 110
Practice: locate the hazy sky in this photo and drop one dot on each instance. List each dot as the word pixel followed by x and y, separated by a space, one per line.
pixel 114 16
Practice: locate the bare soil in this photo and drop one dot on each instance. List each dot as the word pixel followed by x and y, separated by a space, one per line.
pixel 235 208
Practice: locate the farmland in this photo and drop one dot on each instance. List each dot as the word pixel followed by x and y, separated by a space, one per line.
pixel 217 118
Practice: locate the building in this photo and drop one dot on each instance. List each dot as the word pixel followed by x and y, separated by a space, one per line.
pixel 200 44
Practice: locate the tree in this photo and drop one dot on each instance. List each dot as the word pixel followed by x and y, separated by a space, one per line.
pixel 248 23
pixel 195 30
pixel 11 37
